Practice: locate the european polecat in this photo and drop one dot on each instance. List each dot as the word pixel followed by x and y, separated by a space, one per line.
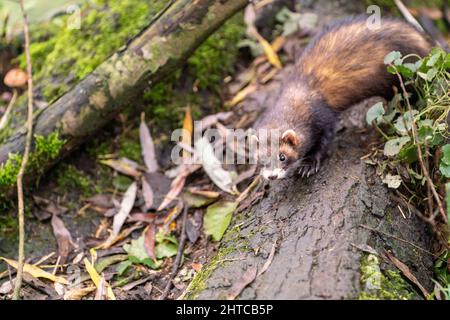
pixel 341 66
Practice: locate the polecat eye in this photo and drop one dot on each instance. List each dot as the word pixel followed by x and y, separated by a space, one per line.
pixel 282 157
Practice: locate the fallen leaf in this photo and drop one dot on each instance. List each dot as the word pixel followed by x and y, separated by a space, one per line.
pixel 248 277
pixel 125 208
pixel 137 253
pixel 122 166
pixel 241 95
pixel 147 193
pixel 96 279
pixel 102 264
pixel 136 283
pixel 213 167
pixel 406 272
pixel 268 50
pixel 193 226
pixel 63 238
pixel 175 188
pixel 212 119
pixel 149 241
pixel 195 200
pixel 392 181
pixel 36 272
pixel 187 132
pixel 147 146
pixel 143 217
pixel 205 193
pixel 197 266
pixel 78 293
pixel 100 294
pixel 218 217
pixel 100 200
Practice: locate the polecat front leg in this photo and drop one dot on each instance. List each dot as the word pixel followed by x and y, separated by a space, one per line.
pixel 320 151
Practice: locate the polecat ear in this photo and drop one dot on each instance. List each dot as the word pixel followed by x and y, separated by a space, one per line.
pixel 291 137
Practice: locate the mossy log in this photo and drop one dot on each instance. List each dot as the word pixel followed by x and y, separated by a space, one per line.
pixel 119 81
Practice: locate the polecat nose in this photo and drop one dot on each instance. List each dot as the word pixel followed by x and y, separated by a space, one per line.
pixel 274 177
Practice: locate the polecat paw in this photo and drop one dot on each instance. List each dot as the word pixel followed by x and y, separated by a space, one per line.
pixel 309 168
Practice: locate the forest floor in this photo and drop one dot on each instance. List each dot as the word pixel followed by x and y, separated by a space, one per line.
pixel 71 211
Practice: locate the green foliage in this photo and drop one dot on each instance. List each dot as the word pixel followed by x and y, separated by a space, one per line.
pixel 429 79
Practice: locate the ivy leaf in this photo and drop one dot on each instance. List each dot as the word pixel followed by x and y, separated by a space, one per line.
pixel 393 147
pixel 376 112
pixel 392 56
pixel 445 170
pixel 218 218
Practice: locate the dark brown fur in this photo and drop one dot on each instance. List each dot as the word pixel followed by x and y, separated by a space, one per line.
pixel 342 65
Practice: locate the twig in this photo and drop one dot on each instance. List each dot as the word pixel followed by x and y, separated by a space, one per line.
pixel 5 116
pixel 419 151
pixel 408 16
pixel 179 254
pixel 21 255
pixel 399 239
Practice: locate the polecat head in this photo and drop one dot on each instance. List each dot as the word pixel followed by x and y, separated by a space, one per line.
pixel 279 153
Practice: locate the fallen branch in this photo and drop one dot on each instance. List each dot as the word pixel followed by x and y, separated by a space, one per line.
pixel 165 45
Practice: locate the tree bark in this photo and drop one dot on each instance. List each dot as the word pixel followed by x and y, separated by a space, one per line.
pixel 119 81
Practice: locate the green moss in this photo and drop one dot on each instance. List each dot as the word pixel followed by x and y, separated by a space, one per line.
pixel 378 285
pixel 198 283
pixel 216 57
pixel 121 182
pixel 46 149
pixel 69 177
pixel 9 170
pixel 130 147
pixel 63 56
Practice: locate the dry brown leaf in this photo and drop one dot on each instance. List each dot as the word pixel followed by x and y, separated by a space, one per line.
pixel 175 188
pixel 147 146
pixel 63 238
pixel 149 241
pixel 122 166
pixel 205 193
pixel 248 277
pixel 147 193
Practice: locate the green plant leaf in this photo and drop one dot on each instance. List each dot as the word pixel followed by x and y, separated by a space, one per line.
pixel 166 250
pixel 376 112
pixel 123 266
pixel 393 147
pixel 196 200
pixel 392 56
pixel 446 154
pixel 447 199
pixel 218 217
pixel 137 254
pixel 445 170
